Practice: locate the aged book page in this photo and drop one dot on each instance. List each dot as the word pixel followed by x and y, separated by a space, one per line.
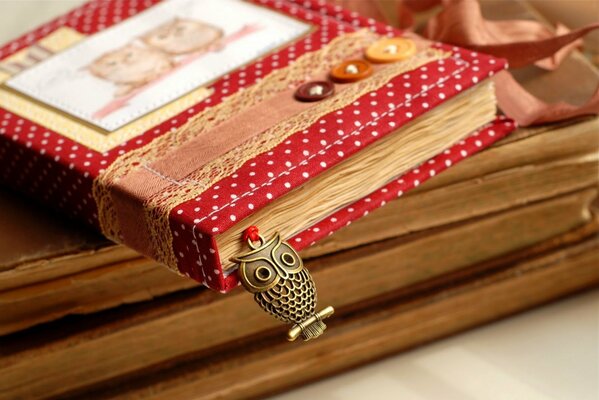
pixel 346 279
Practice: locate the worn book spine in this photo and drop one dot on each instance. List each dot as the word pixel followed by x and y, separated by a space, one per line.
pixel 525 176
pixel 68 357
pixel 346 279
pixel 381 330
pixel 142 279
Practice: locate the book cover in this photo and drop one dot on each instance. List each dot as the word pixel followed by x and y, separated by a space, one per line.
pixel 172 126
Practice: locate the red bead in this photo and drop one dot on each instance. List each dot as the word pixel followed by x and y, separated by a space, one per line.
pixel 252 234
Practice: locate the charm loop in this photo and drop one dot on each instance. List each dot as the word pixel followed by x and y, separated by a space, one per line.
pixel 252 245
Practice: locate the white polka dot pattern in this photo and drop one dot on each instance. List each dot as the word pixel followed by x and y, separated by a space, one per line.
pixel 330 140
pixel 58 171
pixel 83 164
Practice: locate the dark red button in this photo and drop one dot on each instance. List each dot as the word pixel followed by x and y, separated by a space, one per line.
pixel 314 91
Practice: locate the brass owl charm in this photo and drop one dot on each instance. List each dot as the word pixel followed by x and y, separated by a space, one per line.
pixel 275 273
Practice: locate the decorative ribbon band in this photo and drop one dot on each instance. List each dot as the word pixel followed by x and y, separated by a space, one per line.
pixel 263 138
pixel 210 117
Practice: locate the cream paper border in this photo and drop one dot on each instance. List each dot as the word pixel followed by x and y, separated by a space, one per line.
pixel 92 137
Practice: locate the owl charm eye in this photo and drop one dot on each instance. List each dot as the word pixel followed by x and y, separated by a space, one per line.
pixel 288 259
pixel 263 274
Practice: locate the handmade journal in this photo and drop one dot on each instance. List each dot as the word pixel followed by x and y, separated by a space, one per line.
pixel 220 137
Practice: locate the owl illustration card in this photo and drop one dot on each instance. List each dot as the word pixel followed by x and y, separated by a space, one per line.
pixel 145 62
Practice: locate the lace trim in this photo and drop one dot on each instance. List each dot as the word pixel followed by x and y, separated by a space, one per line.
pixel 293 74
pixel 158 207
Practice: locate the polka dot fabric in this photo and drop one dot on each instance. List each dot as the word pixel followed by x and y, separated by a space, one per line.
pixel 41 164
pixel 60 172
pixel 205 246
pixel 56 155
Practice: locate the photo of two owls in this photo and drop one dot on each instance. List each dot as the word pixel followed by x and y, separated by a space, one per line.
pixel 156 53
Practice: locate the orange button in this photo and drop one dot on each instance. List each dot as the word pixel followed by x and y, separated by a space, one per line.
pixel 351 71
pixel 389 50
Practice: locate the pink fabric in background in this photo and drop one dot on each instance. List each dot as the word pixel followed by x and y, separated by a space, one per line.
pixel 521 42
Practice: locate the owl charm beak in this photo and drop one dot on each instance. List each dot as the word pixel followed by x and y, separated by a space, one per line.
pixel 282 286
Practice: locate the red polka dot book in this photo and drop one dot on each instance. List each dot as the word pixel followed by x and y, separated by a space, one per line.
pixel 174 126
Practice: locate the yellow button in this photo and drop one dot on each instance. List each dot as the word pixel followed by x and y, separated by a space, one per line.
pixel 389 50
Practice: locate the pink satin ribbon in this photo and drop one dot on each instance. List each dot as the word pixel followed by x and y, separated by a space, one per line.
pixel 521 42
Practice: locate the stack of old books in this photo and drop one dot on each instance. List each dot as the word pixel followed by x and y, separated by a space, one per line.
pixel 509 228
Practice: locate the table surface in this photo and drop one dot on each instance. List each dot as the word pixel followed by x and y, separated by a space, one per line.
pixel 551 353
